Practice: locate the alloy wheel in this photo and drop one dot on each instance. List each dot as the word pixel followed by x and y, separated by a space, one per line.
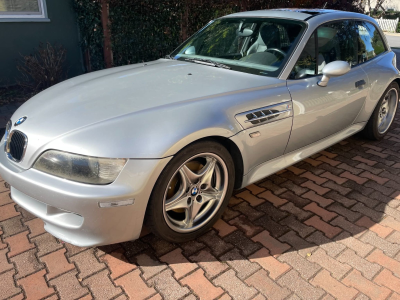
pixel 195 192
pixel 387 111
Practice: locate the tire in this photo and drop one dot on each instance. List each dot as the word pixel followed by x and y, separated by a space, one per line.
pixel 197 182
pixel 372 130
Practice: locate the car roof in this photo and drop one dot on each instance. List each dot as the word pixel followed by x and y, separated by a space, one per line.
pixel 289 13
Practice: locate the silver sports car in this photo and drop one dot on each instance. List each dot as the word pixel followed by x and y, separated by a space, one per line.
pixel 166 142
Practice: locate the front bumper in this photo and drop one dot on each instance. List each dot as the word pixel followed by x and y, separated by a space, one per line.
pixel 71 210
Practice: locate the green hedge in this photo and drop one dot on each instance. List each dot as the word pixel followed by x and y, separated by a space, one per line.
pixel 149 29
pixel 392 15
pixel 89 21
pixel 144 32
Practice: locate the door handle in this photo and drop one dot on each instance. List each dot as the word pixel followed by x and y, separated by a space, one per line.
pixel 360 83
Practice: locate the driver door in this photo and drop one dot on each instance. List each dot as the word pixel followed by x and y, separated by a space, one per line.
pixel 323 111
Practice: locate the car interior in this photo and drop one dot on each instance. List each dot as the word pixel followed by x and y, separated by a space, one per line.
pixel 262 43
pixel 271 44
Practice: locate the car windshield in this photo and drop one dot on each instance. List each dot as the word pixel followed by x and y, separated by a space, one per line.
pixel 253 45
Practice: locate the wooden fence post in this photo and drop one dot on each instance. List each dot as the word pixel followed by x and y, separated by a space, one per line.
pixel 105 21
pixel 242 6
pixel 87 61
pixel 185 21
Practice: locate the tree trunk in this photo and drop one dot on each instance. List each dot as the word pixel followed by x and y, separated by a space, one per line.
pixel 105 21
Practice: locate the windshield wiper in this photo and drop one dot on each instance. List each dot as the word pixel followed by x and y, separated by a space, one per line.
pixel 169 57
pixel 208 62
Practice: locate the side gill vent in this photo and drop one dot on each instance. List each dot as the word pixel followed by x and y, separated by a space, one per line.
pixel 265 115
pixel 261 116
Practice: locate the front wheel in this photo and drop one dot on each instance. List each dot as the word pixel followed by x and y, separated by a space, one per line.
pixel 192 192
pixel 384 114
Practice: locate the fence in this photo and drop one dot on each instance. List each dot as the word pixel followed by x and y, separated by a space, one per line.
pixel 388 25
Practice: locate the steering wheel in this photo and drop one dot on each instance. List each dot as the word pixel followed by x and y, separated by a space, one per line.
pixel 276 50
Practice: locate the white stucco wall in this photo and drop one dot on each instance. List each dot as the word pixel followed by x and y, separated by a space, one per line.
pixel 395 4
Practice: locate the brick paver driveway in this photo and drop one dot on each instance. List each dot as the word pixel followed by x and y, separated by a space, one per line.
pixel 328 227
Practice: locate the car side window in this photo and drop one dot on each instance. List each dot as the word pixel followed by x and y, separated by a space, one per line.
pixel 306 64
pixel 370 42
pixel 335 41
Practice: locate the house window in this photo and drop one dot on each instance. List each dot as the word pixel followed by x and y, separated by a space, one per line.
pixel 28 10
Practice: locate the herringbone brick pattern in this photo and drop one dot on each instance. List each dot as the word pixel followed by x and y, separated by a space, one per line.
pixel 328 227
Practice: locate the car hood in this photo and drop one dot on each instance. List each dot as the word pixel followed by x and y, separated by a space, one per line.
pixel 125 92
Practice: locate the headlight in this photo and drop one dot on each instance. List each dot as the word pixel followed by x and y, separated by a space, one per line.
pixel 8 129
pixel 85 169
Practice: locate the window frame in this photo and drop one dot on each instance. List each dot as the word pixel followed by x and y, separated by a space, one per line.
pixel 40 16
pixel 315 33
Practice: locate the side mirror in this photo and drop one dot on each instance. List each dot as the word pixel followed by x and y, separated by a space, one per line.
pixel 333 69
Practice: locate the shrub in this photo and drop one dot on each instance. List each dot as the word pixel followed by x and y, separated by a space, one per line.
pixel 14 94
pixel 43 68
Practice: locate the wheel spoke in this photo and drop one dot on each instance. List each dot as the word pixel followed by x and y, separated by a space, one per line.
pixel 177 203
pixel 188 175
pixel 210 195
pixel 382 121
pixel 207 172
pixel 191 213
pixel 179 200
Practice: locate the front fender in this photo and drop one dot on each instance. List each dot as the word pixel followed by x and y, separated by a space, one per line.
pixel 156 133
pixel 163 130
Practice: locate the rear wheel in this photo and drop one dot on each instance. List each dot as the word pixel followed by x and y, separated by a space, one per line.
pixel 192 192
pixel 384 114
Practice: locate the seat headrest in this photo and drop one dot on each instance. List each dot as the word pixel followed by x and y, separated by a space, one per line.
pixel 271 36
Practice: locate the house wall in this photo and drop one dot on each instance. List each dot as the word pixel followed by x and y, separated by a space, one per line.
pixel 23 37
pixel 388 4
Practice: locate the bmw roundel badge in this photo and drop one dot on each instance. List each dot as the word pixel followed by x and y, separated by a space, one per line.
pixel 195 190
pixel 20 121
